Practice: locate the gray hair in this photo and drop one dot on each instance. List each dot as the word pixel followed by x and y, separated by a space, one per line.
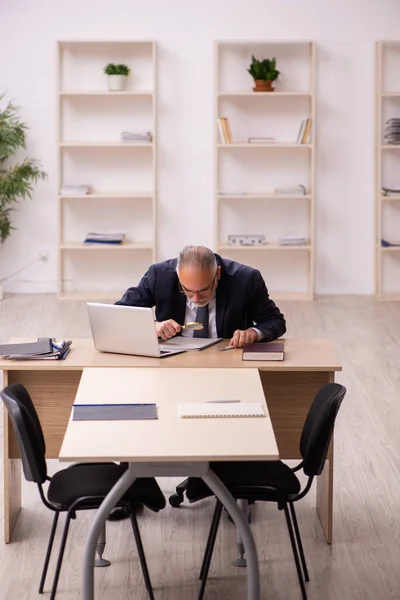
pixel 199 257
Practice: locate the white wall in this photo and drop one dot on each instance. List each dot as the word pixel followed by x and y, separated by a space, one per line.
pixel 345 31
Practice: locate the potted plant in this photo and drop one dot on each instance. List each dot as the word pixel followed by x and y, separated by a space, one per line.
pixel 18 178
pixel 116 76
pixel 263 72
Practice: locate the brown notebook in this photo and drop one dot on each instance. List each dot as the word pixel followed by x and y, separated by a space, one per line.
pixel 263 351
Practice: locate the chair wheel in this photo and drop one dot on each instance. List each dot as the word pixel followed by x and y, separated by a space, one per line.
pixel 176 500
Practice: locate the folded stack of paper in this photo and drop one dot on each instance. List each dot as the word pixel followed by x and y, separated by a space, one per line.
pixel 104 238
pixel 292 240
pixel 75 190
pixel 43 349
pixel 291 190
pixel 136 136
pixel 392 131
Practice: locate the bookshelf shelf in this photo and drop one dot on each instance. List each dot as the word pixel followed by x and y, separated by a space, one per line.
pixel 271 95
pixel 116 94
pixel 268 247
pixel 105 145
pixel 263 197
pixel 91 152
pixel 110 195
pixel 106 247
pixel 390 248
pixel 280 145
pixel 387 170
pixel 287 270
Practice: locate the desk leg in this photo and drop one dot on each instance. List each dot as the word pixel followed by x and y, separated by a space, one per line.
pixel 325 495
pixel 253 574
pixel 12 477
pixel 97 526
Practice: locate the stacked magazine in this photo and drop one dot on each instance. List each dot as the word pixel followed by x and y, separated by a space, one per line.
pixel 104 238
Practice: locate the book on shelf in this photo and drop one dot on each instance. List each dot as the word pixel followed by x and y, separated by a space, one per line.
pixel 104 238
pixel 386 244
pixel 263 351
pixel 79 189
pixel 304 135
pixel 224 130
pixel 260 140
pixel 292 240
pixel 136 136
pixel 291 190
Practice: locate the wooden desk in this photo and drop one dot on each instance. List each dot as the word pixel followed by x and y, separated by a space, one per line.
pixel 289 388
pixel 169 445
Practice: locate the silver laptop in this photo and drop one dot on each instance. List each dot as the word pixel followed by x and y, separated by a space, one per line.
pixel 125 330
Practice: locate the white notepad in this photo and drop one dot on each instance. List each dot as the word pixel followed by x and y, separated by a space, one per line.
pixel 190 410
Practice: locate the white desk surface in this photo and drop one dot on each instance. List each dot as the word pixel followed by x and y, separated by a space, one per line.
pixel 170 438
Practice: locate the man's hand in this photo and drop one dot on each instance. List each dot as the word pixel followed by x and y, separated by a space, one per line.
pixel 248 336
pixel 167 329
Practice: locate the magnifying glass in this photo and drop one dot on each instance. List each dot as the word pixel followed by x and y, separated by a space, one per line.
pixel 193 326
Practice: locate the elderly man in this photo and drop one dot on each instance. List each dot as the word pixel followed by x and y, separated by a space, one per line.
pixel 230 299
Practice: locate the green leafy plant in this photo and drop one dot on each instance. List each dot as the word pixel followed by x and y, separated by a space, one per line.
pixel 263 70
pixel 113 69
pixel 16 180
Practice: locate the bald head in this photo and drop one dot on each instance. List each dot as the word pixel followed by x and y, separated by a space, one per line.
pixel 197 258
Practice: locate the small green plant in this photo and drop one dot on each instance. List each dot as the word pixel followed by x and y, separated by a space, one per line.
pixel 113 69
pixel 16 180
pixel 263 70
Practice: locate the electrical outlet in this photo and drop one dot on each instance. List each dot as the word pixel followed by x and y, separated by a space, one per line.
pixel 43 255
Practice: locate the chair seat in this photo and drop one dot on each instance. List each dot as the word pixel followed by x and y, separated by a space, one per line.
pixel 248 480
pixel 68 485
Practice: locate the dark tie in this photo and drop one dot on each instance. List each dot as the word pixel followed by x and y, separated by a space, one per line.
pixel 202 317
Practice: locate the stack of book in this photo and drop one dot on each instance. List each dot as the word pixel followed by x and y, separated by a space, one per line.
pixel 304 135
pixel 104 238
pixel 292 240
pixel 136 136
pixel 43 349
pixel 224 129
pixel 75 190
pixel 392 131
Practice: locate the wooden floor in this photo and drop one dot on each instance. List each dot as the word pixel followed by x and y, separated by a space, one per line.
pixel 363 562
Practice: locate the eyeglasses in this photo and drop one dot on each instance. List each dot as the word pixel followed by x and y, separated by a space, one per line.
pixel 208 288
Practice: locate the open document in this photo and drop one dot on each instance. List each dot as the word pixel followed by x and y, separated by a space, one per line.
pixel 189 343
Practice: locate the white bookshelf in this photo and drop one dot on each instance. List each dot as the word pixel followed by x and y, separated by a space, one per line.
pixel 387 171
pixel 247 173
pixel 123 176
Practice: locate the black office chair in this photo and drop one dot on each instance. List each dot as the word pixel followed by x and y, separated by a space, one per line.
pixel 80 487
pixel 274 481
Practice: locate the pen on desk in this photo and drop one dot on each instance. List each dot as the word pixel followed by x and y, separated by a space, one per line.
pixel 222 401
pixel 228 348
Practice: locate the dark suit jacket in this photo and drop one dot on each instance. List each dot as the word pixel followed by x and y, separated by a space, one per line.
pixel 242 299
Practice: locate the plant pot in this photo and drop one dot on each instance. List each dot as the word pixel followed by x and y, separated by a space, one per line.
pixel 263 86
pixel 116 83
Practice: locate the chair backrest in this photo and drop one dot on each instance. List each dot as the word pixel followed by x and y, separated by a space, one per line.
pixel 28 430
pixel 318 427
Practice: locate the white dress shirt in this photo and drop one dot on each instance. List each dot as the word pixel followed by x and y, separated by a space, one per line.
pixel 190 316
